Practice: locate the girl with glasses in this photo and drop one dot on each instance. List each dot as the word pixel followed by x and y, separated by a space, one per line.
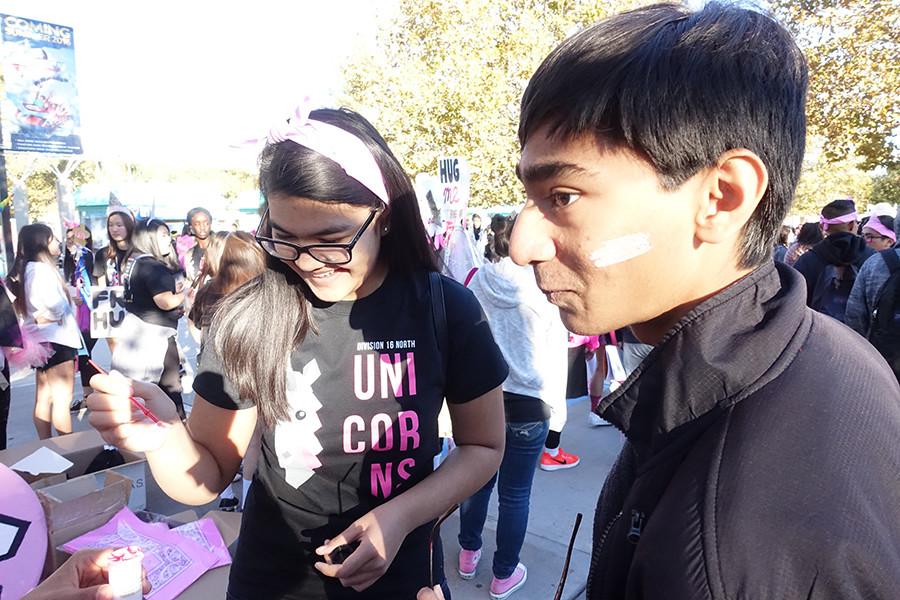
pixel 343 350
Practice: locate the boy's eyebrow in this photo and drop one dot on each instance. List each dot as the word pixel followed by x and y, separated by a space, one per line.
pixel 547 170
pixel 331 230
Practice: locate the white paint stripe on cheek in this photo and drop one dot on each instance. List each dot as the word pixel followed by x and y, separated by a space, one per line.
pixel 619 250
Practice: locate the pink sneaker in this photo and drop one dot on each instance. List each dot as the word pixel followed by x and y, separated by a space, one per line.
pixel 468 562
pixel 504 588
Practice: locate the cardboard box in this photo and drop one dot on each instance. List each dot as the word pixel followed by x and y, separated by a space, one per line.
pixel 214 583
pixel 80 505
pixel 81 448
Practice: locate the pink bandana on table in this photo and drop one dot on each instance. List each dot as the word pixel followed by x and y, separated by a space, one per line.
pixel 875 224
pixel 849 218
pixel 341 146
pixel 173 558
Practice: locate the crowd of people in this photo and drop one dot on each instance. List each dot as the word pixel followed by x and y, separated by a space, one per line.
pixel 760 457
pixel 48 308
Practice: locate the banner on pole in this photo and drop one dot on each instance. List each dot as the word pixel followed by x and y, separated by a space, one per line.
pixel 107 310
pixel 40 104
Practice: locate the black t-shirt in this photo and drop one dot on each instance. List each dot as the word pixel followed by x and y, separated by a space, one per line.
pixel 104 267
pixel 364 394
pixel 150 277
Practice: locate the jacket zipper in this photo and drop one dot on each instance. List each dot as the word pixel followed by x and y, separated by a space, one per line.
pixel 637 525
pixel 606 532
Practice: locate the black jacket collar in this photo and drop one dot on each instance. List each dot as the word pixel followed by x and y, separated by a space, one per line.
pixel 722 351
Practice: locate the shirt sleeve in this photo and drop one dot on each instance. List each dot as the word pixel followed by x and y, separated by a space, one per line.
pixel 211 383
pixel 156 278
pixel 46 294
pixel 475 364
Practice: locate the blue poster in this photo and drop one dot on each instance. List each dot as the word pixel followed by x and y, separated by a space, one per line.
pixel 39 106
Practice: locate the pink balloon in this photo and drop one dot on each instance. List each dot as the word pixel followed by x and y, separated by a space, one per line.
pixel 23 535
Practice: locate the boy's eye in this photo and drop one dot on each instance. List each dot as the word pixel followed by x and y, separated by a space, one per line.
pixel 563 199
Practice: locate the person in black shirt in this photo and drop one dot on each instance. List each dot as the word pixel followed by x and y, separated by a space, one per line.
pixel 344 351
pixel 153 299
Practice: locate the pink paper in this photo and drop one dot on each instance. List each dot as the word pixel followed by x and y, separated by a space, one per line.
pixel 206 534
pixel 172 561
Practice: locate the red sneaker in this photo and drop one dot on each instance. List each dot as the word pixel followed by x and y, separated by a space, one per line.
pixel 562 460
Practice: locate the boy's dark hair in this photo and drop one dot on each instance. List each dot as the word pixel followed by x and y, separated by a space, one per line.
pixel 681 88
pixel 838 208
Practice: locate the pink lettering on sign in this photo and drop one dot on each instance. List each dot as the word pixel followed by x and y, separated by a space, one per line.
pixel 390 372
pixel 383 432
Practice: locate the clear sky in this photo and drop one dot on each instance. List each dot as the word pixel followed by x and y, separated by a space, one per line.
pixel 178 82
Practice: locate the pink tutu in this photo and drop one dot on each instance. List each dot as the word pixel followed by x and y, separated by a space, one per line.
pixel 34 353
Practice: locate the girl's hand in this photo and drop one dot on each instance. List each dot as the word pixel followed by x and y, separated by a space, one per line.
pixel 427 594
pixel 122 424
pixel 379 533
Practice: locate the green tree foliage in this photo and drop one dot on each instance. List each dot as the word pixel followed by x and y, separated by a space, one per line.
pixel 825 180
pixel 853 49
pixel 447 78
pixel 886 187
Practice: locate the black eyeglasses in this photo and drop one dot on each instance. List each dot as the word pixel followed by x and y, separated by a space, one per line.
pixel 329 254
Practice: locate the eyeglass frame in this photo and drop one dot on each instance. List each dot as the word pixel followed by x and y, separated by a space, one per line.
pixel 871 237
pixel 300 250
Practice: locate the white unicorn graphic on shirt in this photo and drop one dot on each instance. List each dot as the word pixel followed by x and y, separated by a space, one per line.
pixel 296 444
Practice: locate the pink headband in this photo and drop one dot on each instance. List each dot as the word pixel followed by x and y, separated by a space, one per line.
pixel 838 220
pixel 341 146
pixel 875 224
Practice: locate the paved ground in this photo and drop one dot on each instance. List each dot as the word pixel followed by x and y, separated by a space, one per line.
pixel 556 498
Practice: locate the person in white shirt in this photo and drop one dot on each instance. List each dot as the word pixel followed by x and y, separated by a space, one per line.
pixel 45 306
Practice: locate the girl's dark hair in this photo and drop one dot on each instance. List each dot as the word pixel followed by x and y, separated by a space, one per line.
pixel 886 220
pixel 254 356
pixel 212 257
pixel 241 260
pixel 33 246
pixel 783 235
pixel 128 221
pixel 144 241
pixel 498 240
pixel 810 234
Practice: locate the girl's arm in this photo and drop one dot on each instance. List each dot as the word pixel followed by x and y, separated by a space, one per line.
pixel 168 300
pixel 479 432
pixel 192 462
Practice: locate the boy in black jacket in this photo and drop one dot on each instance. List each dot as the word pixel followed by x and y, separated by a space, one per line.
pixel 841 249
pixel 660 153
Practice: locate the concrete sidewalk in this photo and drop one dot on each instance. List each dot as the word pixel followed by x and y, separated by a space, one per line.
pixel 556 498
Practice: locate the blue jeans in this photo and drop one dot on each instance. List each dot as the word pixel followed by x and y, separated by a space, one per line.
pixel 524 443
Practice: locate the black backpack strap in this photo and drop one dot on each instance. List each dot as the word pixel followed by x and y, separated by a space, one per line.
pixel 439 315
pixel 891 259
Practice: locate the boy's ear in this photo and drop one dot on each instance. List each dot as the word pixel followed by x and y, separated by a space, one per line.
pixel 733 189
